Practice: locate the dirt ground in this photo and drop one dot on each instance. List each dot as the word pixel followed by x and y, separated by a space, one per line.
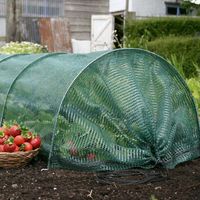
pixel 34 182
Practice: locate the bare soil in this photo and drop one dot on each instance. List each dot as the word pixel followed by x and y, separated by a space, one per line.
pixel 35 182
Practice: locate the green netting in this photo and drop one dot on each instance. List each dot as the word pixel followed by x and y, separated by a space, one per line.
pixel 102 111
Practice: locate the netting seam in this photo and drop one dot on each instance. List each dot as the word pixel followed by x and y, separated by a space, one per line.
pixel 9 57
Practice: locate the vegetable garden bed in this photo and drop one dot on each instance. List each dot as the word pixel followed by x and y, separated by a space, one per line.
pixel 32 182
pixel 123 109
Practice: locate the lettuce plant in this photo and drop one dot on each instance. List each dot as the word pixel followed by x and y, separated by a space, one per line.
pixel 22 48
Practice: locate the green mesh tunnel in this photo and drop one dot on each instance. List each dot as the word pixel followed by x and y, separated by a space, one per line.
pixel 102 111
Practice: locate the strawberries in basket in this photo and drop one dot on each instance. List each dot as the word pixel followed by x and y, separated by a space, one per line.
pixel 15 137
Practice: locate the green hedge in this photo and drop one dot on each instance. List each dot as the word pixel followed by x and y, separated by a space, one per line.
pixel 183 52
pixel 177 39
pixel 150 29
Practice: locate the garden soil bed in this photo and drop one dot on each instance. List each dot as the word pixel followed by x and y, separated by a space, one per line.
pixel 35 182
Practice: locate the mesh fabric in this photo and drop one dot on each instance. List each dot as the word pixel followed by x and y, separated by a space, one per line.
pixel 102 111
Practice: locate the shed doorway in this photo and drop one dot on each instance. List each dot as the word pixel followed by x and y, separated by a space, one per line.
pixel 118 30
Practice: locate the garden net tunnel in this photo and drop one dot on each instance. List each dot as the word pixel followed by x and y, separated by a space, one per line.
pixel 102 111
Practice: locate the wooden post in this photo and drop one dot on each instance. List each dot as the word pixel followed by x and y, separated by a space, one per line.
pixel 14 11
pixel 126 10
pixel 125 18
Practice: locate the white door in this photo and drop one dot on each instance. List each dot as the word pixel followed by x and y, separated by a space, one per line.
pixel 102 32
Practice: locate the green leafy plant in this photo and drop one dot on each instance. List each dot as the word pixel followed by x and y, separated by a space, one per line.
pixel 194 85
pixel 22 48
pixel 173 60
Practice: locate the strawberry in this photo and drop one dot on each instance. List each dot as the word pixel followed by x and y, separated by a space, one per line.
pixel 26 146
pixel 91 156
pixel 18 140
pixel 27 136
pixel 3 139
pixel 1 148
pixel 15 130
pixel 17 149
pixel 35 142
pixel 6 128
pixel 9 145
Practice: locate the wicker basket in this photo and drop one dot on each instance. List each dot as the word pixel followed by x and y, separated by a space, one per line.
pixel 16 159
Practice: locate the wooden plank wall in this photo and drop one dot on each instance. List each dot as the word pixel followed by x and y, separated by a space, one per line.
pixel 61 34
pixel 79 14
pixel 2 8
pixel 51 32
pixel 46 34
pixel 30 30
pixel 55 34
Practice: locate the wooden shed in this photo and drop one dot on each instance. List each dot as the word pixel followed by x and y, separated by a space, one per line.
pixel 79 13
pixel 23 14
